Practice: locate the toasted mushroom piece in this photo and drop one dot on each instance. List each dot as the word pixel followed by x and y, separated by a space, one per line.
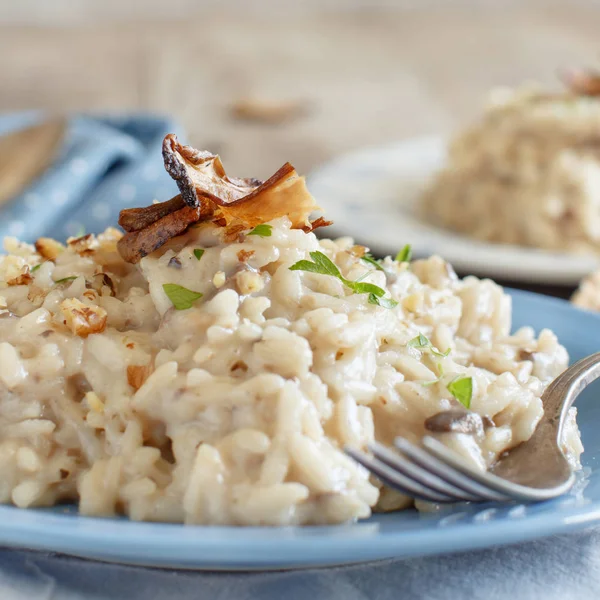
pixel 136 219
pixel 203 182
pixel 209 194
pixel 455 421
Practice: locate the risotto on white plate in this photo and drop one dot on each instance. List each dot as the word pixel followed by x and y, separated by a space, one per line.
pixel 528 173
pixel 218 379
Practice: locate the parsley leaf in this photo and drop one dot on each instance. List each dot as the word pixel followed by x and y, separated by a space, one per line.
pixel 371 261
pixel 181 297
pixel 462 389
pixel 405 254
pixel 263 230
pixel 198 252
pixel 324 266
pixel 421 342
pixel 67 279
pixel 34 269
pixel 385 302
pixel 321 265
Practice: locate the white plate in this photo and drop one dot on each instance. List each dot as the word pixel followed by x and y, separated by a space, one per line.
pixel 372 195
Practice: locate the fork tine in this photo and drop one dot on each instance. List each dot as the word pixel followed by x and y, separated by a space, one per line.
pixel 396 480
pixel 492 482
pixel 449 473
pixel 416 472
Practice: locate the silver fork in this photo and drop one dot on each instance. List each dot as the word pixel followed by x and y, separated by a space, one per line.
pixel 533 471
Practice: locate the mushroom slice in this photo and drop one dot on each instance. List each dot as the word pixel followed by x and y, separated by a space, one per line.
pixel 455 421
pixel 133 246
pixel 203 182
pixel 136 219
pixel 208 194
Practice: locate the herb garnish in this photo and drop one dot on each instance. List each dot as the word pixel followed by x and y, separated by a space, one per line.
pixel 181 297
pixel 324 266
pixel 372 261
pixel 198 252
pixel 462 389
pixel 67 279
pixel 405 254
pixel 34 269
pixel 421 342
pixel 263 230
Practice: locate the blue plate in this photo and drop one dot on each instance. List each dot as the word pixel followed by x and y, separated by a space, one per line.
pixel 400 534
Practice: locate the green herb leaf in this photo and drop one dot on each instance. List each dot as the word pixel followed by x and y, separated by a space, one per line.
pixel 440 354
pixel 462 389
pixel 429 383
pixel 324 266
pixel 420 342
pixel 321 264
pixel 405 254
pixel 385 302
pixel 364 288
pixel 67 279
pixel 371 261
pixel 198 252
pixel 34 269
pixel 181 297
pixel 263 230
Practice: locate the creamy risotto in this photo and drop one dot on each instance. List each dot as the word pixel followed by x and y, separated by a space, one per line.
pixel 236 410
pixel 211 365
pixel 527 173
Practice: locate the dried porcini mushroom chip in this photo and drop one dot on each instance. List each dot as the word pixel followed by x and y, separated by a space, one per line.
pixel 135 219
pixel 209 194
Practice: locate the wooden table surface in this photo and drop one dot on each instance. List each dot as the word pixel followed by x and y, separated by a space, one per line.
pixel 366 77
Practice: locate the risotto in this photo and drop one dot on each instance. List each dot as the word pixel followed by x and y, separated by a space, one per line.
pixel 219 379
pixel 528 174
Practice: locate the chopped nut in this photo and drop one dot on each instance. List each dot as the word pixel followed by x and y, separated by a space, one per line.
pixel 91 295
pixel 23 279
pixel 219 279
pixel 245 255
pixel 249 282
pixel 137 375
pixel 82 319
pixel 85 245
pixel 358 251
pixel 48 248
pixel 93 401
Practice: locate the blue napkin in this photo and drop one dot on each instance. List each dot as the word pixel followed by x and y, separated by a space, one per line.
pixel 106 163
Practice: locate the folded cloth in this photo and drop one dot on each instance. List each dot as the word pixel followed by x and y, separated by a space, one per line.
pixel 106 163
